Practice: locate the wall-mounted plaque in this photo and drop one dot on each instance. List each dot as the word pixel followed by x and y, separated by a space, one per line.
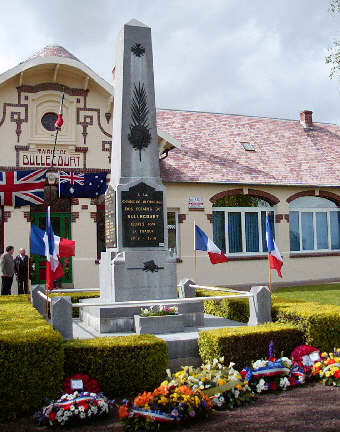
pixel 142 215
pixel 110 218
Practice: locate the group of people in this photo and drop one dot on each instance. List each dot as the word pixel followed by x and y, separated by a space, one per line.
pixel 18 266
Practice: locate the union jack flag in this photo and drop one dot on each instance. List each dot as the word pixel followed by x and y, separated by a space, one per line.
pixel 71 177
pixel 19 188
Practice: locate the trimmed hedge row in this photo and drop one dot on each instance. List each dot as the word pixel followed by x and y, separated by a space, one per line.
pixel 245 344
pixel 122 365
pixel 233 309
pixel 31 358
pixel 320 323
pixel 34 360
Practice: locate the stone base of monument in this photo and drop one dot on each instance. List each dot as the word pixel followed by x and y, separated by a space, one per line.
pixel 109 319
pixel 159 324
pixel 181 345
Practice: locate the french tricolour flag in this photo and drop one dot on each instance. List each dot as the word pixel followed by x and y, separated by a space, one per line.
pixel 203 243
pixel 52 247
pixel 274 256
pixel 59 122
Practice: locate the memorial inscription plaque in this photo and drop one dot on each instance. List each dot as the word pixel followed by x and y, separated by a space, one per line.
pixel 110 218
pixel 142 215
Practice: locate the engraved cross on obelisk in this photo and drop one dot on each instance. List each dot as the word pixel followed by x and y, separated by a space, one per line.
pixel 143 267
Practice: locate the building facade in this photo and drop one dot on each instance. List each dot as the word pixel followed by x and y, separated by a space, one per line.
pixel 222 172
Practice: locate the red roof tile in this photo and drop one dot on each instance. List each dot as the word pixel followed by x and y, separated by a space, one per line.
pixel 53 51
pixel 286 153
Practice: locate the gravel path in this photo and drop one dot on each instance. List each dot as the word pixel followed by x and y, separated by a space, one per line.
pixel 312 408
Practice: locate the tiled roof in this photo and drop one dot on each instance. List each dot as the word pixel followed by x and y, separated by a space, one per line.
pixel 286 153
pixel 53 51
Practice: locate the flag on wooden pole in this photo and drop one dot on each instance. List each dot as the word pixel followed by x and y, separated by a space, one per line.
pixel 274 256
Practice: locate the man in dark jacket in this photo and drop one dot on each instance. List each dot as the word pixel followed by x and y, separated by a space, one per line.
pixel 21 270
pixel 7 270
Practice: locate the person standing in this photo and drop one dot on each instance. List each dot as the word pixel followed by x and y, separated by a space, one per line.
pixel 21 271
pixel 7 270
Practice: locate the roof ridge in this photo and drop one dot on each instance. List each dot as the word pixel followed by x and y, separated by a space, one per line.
pixel 52 50
pixel 238 115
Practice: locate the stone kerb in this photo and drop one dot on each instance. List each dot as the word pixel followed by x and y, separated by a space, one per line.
pixel 61 316
pixel 259 305
pixel 37 301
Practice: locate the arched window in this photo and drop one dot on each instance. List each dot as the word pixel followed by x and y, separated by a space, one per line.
pixel 314 224
pixel 239 224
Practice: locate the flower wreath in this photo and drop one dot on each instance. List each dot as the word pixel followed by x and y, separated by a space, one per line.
pixel 89 384
pixel 304 356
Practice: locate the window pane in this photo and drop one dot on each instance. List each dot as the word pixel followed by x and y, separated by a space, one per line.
pixel 311 202
pixel 335 230
pixel 219 229
pixel 252 232
pixel 172 231
pixel 234 232
pixel 294 231
pixel 321 230
pixel 307 231
pixel 263 225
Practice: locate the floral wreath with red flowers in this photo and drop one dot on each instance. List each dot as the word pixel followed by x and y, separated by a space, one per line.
pixel 89 384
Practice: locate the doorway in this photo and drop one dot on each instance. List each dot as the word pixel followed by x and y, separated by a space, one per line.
pixel 61 224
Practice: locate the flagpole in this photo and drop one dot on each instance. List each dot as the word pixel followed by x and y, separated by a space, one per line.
pixel 195 257
pixel 28 263
pixel 269 270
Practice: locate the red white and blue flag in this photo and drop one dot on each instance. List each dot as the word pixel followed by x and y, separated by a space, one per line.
pixel 52 247
pixel 59 122
pixel 203 243
pixel 19 188
pixel 274 256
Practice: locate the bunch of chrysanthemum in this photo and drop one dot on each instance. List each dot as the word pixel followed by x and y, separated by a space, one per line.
pixel 274 374
pixel 221 382
pixel 328 369
pixel 165 405
pixel 159 310
pixel 72 408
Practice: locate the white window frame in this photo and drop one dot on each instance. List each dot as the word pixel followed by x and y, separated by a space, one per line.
pixel 243 211
pixel 178 248
pixel 314 210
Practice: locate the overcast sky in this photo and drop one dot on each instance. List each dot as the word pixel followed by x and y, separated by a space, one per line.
pixel 253 57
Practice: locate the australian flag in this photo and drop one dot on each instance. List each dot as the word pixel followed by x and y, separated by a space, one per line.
pixel 19 188
pixel 81 185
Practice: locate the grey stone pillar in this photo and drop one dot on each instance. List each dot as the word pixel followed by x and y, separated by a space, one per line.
pixel 259 305
pixel 37 301
pixel 61 316
pixel 184 288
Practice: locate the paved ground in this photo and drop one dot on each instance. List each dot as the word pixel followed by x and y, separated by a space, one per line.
pixel 312 408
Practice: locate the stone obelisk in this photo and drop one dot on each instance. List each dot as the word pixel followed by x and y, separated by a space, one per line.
pixel 142 268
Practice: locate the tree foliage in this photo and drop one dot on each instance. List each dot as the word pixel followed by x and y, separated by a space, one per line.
pixel 333 57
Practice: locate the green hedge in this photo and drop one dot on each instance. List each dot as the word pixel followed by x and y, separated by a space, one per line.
pixel 233 309
pixel 244 344
pixel 320 323
pixel 31 358
pixel 122 365
pixel 76 297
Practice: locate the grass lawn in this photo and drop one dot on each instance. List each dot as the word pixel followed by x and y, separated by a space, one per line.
pixel 325 293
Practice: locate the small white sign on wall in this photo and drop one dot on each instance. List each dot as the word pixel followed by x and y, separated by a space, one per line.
pixel 195 203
